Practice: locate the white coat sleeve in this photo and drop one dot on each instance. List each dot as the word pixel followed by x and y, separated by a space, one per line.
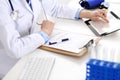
pixel 15 45
pixel 55 9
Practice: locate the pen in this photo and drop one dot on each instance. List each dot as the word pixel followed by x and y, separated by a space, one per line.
pixel 44 10
pixel 44 13
pixel 63 40
pixel 117 17
pixel 38 23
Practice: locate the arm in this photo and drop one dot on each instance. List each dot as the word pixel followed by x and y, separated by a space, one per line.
pixel 55 9
pixel 15 44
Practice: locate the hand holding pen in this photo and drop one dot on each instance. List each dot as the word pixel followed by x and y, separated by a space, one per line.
pixel 47 27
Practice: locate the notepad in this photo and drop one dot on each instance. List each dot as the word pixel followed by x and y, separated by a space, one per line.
pixel 100 28
pixel 76 44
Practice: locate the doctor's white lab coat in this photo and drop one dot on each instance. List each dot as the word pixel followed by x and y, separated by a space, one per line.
pixel 16 36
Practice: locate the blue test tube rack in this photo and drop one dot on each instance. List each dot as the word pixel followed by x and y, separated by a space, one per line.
pixel 102 70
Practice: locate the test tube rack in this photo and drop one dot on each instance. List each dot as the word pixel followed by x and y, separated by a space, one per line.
pixel 102 70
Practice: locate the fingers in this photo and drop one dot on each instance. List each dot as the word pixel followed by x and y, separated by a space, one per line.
pixel 102 14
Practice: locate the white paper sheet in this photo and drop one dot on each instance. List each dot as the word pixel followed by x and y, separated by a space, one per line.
pixel 102 27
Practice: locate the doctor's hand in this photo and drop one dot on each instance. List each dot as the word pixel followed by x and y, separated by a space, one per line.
pixel 99 14
pixel 47 27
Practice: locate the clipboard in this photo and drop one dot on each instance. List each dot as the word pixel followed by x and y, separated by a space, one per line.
pixel 77 45
pixel 100 28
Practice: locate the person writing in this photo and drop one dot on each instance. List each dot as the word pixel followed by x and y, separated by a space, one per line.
pixel 17 22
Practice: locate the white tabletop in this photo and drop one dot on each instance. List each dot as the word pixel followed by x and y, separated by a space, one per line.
pixel 68 67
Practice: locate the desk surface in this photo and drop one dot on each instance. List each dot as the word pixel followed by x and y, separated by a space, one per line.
pixel 65 68
pixel 68 67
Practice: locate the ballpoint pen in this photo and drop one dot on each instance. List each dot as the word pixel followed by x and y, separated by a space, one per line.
pixel 116 16
pixel 43 12
pixel 63 40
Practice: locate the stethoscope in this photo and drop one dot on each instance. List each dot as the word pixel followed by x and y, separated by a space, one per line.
pixel 13 14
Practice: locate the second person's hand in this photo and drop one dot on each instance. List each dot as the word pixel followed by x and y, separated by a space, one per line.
pixel 100 14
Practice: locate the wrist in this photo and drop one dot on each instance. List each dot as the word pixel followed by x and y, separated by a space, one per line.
pixel 85 14
pixel 45 31
pixel 44 35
